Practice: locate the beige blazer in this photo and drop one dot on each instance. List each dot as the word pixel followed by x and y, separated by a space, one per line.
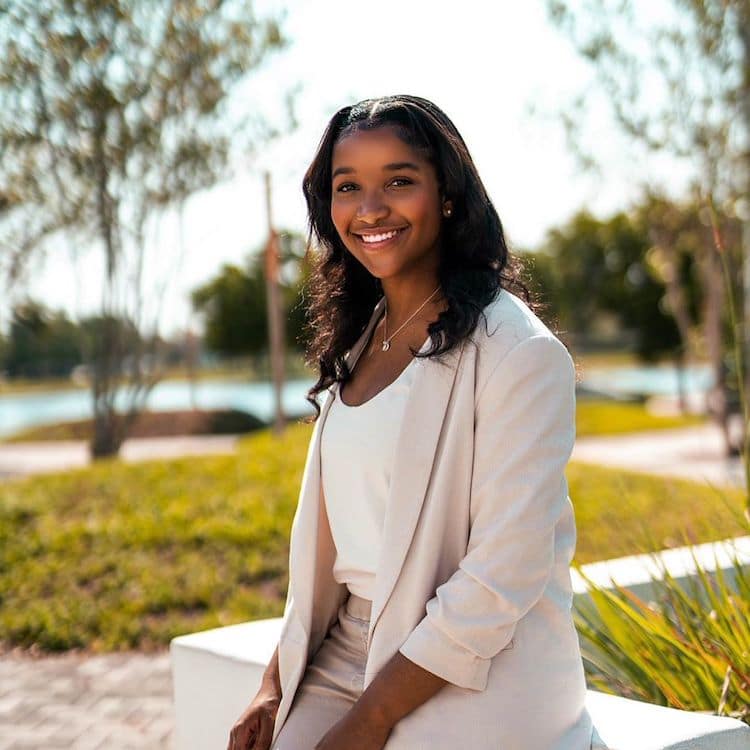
pixel 473 581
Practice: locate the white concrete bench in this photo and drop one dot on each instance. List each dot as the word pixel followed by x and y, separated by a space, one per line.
pixel 217 672
pixel 637 572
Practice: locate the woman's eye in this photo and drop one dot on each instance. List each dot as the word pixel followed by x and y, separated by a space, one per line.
pixel 347 187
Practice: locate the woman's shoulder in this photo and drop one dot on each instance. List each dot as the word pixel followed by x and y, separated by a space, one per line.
pixel 509 323
pixel 510 320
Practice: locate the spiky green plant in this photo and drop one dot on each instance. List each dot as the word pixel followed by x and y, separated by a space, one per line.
pixel 688 647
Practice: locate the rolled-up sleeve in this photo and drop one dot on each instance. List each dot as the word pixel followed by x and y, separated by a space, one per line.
pixel 523 438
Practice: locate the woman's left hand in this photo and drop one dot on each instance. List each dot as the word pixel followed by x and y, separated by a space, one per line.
pixel 356 731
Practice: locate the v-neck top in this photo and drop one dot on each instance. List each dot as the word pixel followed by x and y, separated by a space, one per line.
pixel 357 451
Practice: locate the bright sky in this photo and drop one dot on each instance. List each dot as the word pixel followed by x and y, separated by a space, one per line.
pixel 485 64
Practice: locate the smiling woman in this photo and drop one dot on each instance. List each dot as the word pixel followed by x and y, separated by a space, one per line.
pixel 386 204
pixel 429 600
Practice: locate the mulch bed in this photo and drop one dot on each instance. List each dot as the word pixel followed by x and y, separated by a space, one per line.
pixel 160 424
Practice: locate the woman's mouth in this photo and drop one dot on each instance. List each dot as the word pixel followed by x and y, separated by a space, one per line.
pixel 381 239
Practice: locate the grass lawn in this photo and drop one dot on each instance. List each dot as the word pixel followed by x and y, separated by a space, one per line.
pixel 121 556
pixel 594 417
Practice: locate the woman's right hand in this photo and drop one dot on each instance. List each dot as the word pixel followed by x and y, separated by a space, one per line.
pixel 254 729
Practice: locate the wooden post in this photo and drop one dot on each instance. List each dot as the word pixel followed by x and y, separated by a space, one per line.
pixel 275 315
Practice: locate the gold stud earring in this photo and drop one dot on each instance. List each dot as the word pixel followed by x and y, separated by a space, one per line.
pixel 447 212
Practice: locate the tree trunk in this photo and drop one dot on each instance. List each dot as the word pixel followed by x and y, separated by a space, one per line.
pixel 107 438
pixel 713 280
pixel 679 363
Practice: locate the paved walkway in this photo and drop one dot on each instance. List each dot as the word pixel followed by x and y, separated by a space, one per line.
pixel 695 453
pixel 112 702
pixel 19 459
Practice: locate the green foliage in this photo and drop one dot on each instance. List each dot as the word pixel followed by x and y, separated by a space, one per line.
pixel 113 111
pixel 691 59
pixel 41 343
pixel 594 417
pixel 689 648
pixel 233 303
pixel 627 512
pixel 119 556
pixel 592 268
pixel 234 306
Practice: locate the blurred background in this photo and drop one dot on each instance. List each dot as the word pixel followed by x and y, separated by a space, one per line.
pixel 144 172
pixel 153 260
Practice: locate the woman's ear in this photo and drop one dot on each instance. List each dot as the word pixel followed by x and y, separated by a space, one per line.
pixel 447 208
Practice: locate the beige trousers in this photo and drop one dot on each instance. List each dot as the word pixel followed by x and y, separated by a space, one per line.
pixel 333 680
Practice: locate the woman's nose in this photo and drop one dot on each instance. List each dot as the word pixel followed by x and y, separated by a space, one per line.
pixel 372 208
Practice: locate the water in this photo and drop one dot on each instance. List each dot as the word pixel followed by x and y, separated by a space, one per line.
pixel 18 412
pixel 652 381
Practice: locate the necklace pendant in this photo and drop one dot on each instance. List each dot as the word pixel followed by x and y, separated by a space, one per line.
pixel 386 346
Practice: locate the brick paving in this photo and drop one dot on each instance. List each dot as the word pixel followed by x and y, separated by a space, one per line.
pixel 113 701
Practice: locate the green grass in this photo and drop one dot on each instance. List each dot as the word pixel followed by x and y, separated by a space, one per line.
pixel 622 512
pixel 613 417
pixel 120 556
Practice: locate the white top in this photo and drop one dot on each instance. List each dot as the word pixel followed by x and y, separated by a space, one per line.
pixel 357 450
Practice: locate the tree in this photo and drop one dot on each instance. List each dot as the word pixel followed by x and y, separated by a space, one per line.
pixel 591 267
pixel 233 303
pixel 41 343
pixel 680 86
pixel 684 256
pixel 112 114
pixel 234 306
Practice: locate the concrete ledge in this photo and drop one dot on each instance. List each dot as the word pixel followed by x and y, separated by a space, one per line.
pixel 622 724
pixel 216 673
pixel 638 572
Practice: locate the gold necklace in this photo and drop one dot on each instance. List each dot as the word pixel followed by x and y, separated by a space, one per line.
pixel 386 339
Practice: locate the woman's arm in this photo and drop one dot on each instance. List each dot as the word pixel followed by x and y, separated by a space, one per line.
pixel 271 682
pixel 398 688
pixel 524 435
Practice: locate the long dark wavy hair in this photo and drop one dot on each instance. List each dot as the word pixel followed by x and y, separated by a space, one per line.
pixel 474 263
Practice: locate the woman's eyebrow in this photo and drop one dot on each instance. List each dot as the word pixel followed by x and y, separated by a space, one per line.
pixel 394 166
pixel 402 165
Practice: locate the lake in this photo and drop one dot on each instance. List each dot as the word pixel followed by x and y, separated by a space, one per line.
pixel 20 411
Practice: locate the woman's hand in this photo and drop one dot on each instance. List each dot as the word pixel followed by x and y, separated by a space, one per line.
pixel 357 730
pixel 254 729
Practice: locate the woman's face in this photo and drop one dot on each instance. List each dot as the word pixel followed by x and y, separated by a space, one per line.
pixel 386 203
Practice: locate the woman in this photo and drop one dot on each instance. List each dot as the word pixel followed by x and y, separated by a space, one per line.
pixel 429 596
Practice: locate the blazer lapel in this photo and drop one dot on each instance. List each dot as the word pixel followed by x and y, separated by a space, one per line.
pixel 311 543
pixel 416 444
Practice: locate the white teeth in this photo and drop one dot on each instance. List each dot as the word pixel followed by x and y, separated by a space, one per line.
pixel 378 237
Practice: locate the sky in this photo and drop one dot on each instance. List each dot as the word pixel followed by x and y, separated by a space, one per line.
pixel 499 70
